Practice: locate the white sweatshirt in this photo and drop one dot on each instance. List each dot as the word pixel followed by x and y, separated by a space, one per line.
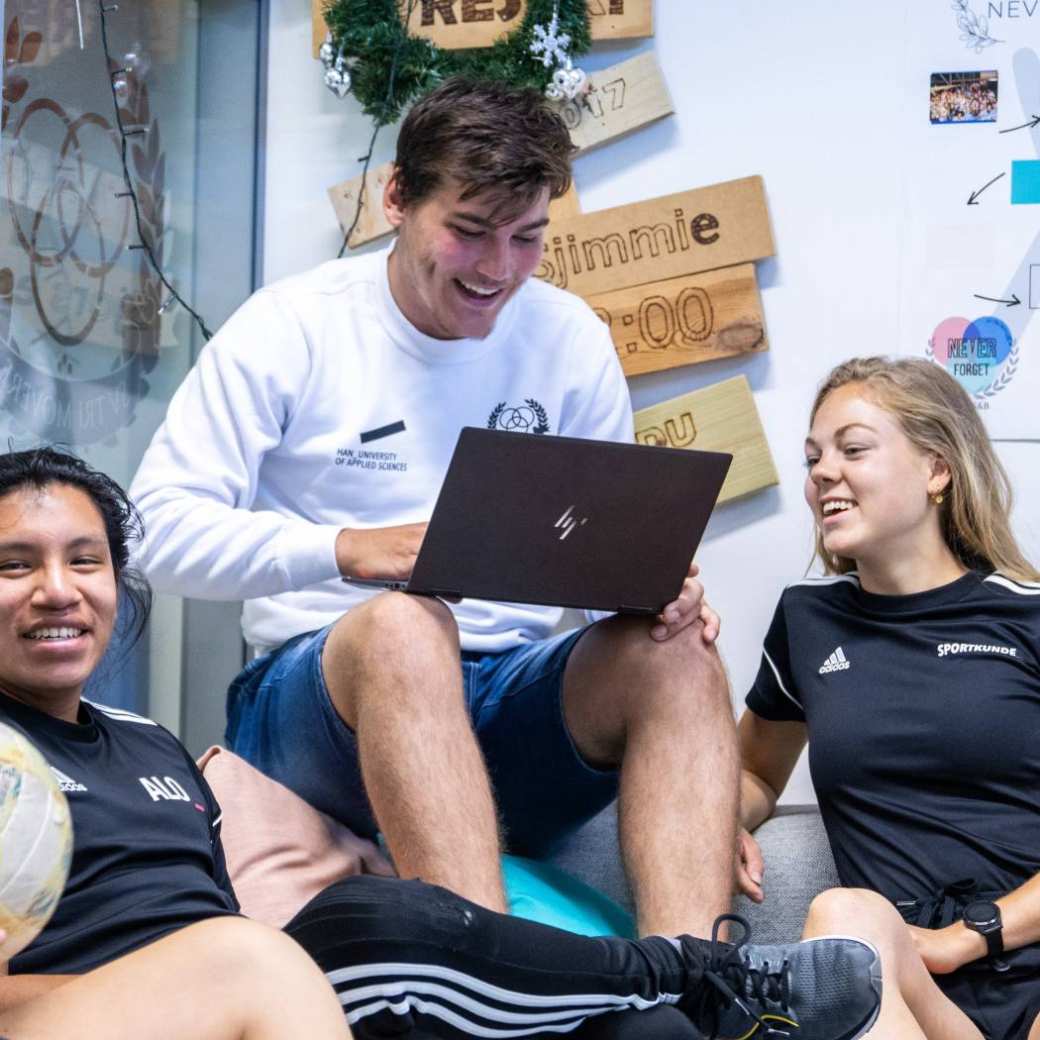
pixel 267 449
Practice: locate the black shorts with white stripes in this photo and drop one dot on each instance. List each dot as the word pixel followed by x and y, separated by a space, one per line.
pixel 411 959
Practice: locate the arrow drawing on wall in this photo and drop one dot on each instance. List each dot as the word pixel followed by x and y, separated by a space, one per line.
pixel 1035 121
pixel 1013 302
pixel 975 194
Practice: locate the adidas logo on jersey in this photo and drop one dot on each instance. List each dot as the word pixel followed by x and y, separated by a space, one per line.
pixel 66 783
pixel 837 662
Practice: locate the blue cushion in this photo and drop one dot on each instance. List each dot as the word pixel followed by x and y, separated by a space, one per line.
pixel 539 892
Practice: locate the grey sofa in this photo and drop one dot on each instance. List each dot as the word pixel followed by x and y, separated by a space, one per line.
pixel 798 861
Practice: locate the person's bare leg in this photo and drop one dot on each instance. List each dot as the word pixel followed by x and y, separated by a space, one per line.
pixel 662 711
pixel 224 979
pixel 1034 1033
pixel 912 1005
pixel 392 670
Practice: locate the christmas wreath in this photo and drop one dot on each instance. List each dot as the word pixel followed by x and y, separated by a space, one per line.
pixel 370 53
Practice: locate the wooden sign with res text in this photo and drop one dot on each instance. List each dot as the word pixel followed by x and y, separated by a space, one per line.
pixel 462 24
pixel 621 98
pixel 683 321
pixel 456 24
pixel 722 417
pixel 666 237
pixel 372 223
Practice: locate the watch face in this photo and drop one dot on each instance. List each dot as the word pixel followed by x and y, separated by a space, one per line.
pixel 981 913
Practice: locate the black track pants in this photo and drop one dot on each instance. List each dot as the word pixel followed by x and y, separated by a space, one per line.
pixel 412 960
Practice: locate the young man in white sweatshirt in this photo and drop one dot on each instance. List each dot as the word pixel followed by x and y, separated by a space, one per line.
pixel 309 442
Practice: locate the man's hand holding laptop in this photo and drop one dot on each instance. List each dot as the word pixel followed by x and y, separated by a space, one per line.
pixel 688 607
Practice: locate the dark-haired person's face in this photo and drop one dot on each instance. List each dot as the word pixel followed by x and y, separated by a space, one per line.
pixel 57 596
pixel 454 265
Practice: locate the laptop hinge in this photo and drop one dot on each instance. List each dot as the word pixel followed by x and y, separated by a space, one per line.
pixel 443 593
pixel 623 609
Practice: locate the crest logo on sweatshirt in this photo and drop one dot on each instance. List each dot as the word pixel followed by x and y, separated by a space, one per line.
pixel 529 417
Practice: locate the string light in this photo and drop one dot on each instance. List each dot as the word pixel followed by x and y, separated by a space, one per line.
pixel 114 78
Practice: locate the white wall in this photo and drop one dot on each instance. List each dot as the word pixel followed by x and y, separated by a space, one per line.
pixel 808 94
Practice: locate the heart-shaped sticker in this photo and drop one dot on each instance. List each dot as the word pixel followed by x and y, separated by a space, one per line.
pixel 973 352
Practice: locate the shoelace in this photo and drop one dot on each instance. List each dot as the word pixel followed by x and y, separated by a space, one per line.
pixel 731 975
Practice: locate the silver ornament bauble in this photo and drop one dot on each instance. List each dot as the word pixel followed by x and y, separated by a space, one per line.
pixel 338 81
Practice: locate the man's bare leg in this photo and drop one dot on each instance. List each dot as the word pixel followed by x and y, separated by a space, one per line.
pixel 224 979
pixel 392 670
pixel 662 711
pixel 912 1005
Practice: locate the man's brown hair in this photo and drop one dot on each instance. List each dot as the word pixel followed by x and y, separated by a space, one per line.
pixel 494 139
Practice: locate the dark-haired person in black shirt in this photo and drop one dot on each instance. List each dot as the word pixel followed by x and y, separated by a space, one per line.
pixel 149 913
pixel 913 671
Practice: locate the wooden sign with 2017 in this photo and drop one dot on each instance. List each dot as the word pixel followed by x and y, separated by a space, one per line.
pixel 459 24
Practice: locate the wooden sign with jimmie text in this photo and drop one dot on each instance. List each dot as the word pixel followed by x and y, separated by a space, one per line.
pixel 722 417
pixel 372 223
pixel 455 24
pixel 666 237
pixel 683 321
pixel 621 98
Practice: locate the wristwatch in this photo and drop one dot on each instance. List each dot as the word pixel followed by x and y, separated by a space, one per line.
pixel 983 917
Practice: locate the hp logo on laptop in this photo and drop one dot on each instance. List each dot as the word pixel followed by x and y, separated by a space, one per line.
pixel 568 522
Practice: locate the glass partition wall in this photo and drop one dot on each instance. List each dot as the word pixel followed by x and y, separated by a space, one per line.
pixel 92 343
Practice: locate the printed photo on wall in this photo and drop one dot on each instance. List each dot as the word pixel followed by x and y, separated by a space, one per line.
pixel 963 97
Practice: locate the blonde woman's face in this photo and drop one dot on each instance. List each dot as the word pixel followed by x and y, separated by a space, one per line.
pixel 867 485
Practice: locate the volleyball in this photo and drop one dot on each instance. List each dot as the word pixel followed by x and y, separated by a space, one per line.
pixel 35 842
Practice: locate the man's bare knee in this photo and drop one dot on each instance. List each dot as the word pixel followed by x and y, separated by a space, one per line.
pixel 619 679
pixel 393 636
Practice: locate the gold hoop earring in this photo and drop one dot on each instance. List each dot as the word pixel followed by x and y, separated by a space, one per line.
pixel 937 498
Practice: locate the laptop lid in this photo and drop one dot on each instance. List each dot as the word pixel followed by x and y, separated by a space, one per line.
pixel 566 522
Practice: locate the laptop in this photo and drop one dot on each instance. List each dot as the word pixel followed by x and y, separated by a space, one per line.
pixel 561 521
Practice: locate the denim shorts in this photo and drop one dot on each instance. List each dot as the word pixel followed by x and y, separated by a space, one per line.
pixel 282 720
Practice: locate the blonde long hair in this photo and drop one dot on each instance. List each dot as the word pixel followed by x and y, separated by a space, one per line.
pixel 938 417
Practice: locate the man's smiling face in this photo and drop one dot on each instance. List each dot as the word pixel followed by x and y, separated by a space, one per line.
pixel 457 261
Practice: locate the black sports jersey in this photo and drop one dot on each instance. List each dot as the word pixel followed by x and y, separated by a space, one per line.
pixel 147 858
pixel 923 714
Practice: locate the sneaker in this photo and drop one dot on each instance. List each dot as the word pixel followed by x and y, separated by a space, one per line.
pixel 827 988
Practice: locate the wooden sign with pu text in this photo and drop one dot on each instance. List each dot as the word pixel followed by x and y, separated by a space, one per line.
pixel 683 321
pixel 621 98
pixel 722 417
pixel 666 237
pixel 455 24
pixel 372 223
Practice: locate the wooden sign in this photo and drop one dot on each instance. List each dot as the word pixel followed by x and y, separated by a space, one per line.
pixel 684 321
pixel 666 237
pixel 319 30
pixel 565 206
pixel 454 24
pixel 372 223
pixel 620 19
pixel 722 417
pixel 621 98
pixel 461 24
